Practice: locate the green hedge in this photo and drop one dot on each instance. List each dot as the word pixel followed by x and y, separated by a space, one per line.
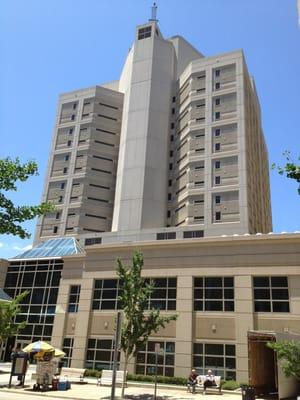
pixel 226 385
pixel 230 385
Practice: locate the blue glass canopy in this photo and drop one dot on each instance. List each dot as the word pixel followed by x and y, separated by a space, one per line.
pixel 4 297
pixel 53 248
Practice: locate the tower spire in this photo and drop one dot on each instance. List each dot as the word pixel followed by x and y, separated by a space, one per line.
pixel 153 13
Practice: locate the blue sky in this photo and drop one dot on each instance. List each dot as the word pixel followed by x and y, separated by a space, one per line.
pixel 55 46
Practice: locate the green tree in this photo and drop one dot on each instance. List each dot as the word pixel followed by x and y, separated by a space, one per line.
pixel 12 216
pixel 139 322
pixel 290 169
pixel 288 352
pixel 8 311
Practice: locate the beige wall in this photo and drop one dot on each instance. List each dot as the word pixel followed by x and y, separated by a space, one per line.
pixel 241 257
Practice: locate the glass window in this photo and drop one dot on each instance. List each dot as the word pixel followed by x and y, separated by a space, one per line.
pixel 271 294
pixel 68 349
pixel 214 294
pixel 74 298
pixel 146 359
pixel 107 291
pixel 216 356
pixel 100 353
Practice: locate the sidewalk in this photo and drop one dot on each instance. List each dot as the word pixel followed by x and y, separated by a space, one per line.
pixel 91 391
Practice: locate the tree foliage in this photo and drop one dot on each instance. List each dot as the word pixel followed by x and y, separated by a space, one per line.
pixel 139 322
pixel 12 216
pixel 290 169
pixel 8 311
pixel 288 352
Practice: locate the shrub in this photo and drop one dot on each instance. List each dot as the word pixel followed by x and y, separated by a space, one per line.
pixel 230 385
pixel 160 379
pixel 93 373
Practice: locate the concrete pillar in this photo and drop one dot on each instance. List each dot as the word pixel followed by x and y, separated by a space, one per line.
pixel 184 326
pixel 60 314
pixel 82 323
pixel 243 323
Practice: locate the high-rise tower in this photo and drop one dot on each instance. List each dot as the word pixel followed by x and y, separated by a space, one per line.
pixel 175 145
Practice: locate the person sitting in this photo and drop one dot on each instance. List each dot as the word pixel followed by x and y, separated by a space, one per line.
pixel 209 380
pixel 192 380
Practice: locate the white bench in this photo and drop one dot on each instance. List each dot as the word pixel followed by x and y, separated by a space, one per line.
pixel 106 377
pixel 200 384
pixel 73 374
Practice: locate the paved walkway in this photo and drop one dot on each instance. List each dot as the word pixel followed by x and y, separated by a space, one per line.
pixel 91 391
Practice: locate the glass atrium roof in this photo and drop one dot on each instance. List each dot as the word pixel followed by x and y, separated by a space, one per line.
pixel 53 248
pixel 4 297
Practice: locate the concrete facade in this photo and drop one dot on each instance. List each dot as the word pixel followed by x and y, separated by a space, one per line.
pixel 242 258
pixel 177 142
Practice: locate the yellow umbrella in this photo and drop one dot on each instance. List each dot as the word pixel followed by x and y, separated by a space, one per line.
pixel 38 346
pixel 57 353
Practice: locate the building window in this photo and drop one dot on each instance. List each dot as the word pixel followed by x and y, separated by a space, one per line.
pixel 193 234
pixel 100 354
pixel 169 196
pixel 172 138
pixel 74 106
pixel 69 143
pixel 218 216
pixel 168 214
pixel 217 115
pixel 173 111
pixel 72 117
pixel 214 294
pixel 164 294
pixel 55 228
pixel 166 236
pixel 145 359
pixel 217 72
pixel 218 164
pixel 173 99
pixel 74 298
pixel 171 153
pixel 62 185
pixel 144 33
pixel 91 241
pixel 218 102
pixel 172 125
pixel 217 132
pixel 57 215
pixel 218 199
pixel 41 277
pixel 170 183
pixel 107 291
pixel 271 294
pixel 217 180
pixel 67 157
pixel 217 86
pixel 65 170
pixel 60 199
pixel 68 349
pixel 218 357
pixel 70 131
pixel 170 166
pixel 217 146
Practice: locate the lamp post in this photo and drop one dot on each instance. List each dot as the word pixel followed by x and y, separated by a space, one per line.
pixel 116 349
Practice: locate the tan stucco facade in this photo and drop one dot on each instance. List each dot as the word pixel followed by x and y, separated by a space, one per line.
pixel 242 257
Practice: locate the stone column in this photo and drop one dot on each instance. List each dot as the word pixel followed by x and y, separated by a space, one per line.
pixel 82 323
pixel 184 326
pixel 244 322
pixel 60 314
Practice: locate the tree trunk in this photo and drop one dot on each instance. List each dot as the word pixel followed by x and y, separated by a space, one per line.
pixel 125 375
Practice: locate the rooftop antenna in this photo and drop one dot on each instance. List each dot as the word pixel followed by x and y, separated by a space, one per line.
pixel 153 13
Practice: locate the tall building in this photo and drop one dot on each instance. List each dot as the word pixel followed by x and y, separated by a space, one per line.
pixel 169 159
pixel 176 143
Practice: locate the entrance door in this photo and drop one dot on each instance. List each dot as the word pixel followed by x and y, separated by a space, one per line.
pixel 262 363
